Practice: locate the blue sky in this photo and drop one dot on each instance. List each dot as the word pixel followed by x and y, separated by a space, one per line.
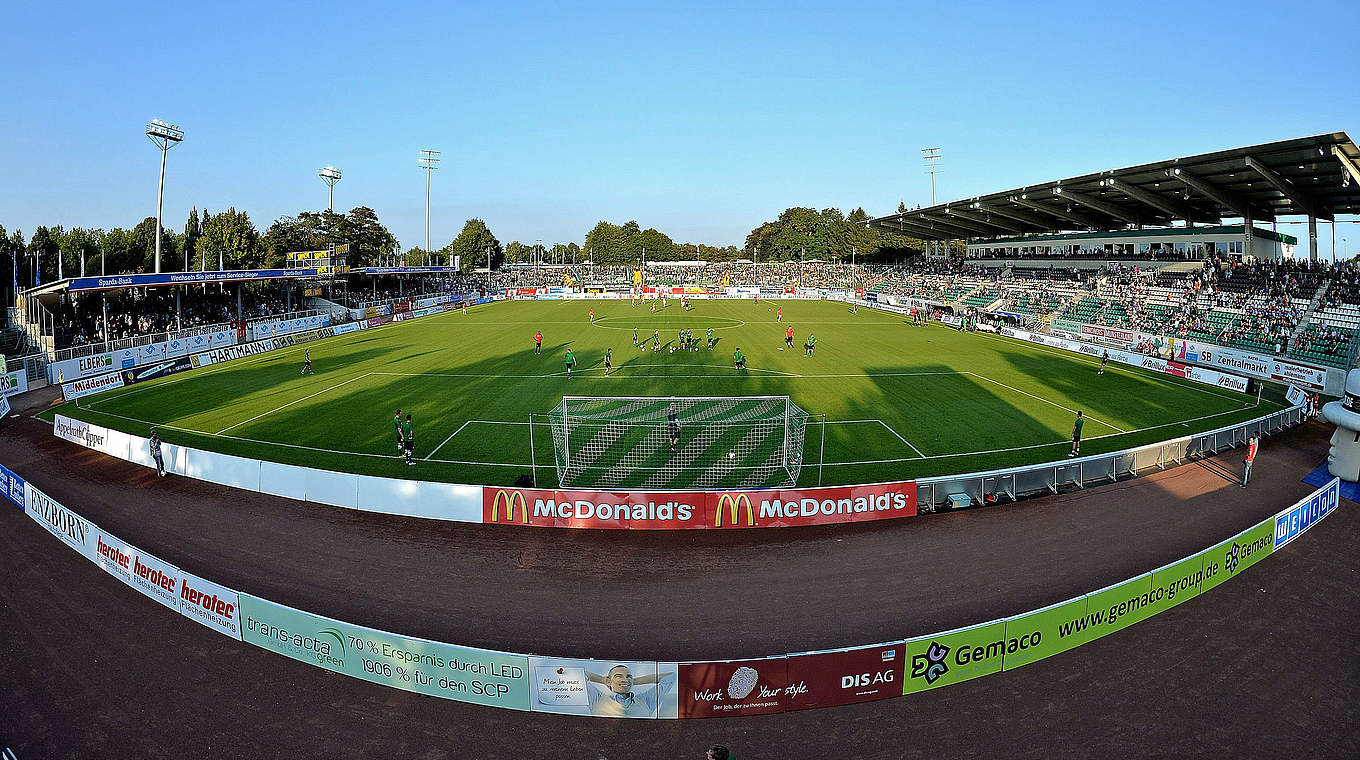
pixel 702 120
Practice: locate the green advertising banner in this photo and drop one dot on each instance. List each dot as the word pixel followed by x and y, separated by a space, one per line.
pixel 1174 584
pixel 954 656
pixel 1238 553
pixel 441 670
pixel 1110 609
pixel 1039 634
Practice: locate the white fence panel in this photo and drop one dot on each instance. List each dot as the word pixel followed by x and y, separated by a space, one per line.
pixel 283 480
pixel 390 495
pixel 448 501
pixel 224 469
pixel 340 489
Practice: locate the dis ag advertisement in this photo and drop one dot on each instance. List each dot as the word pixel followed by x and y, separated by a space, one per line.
pixel 845 676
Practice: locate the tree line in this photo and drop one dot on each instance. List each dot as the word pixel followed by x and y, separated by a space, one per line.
pixel 230 240
pixel 798 233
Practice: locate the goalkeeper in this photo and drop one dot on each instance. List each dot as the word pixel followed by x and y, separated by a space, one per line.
pixel 673 423
pixel 571 361
pixel 738 360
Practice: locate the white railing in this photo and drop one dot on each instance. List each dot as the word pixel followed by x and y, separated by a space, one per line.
pixel 1014 483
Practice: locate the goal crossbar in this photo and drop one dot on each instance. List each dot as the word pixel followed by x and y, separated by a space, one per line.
pixel 666 442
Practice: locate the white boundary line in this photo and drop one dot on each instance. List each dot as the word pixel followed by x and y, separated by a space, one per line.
pixel 1064 442
pixel 1046 401
pixel 294 401
pixel 900 438
pixel 446 440
pixel 1122 368
pixel 853 463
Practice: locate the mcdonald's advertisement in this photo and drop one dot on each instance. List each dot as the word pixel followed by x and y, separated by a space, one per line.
pixel 672 510
pixel 593 509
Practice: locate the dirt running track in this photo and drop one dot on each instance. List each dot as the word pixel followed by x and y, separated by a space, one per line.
pixel 1263 666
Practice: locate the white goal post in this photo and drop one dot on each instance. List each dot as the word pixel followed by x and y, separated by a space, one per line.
pixel 678 442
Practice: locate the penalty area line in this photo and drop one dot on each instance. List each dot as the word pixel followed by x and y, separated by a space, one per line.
pixel 446 440
pixel 1046 401
pixel 290 403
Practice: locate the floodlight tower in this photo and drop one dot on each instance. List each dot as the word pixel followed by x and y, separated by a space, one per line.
pixel 429 161
pixel 931 155
pixel 330 175
pixel 163 136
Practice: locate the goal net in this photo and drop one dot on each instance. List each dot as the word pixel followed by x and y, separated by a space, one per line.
pixel 713 442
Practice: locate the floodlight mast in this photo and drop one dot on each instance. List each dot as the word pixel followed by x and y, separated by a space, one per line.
pixel 931 155
pixel 330 175
pixel 163 136
pixel 429 161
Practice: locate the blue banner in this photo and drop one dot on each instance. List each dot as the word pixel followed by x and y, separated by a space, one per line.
pixel 12 485
pixel 1293 522
pixel 404 270
pixel 78 284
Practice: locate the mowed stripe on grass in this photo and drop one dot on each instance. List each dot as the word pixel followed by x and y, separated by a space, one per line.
pixel 936 392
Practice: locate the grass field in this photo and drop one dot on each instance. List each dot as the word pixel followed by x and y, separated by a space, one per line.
pixel 900 401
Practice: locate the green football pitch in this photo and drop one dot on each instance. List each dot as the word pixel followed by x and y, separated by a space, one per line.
pixel 899 401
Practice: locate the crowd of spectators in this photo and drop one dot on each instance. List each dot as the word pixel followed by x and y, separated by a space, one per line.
pixel 79 319
pixel 1259 306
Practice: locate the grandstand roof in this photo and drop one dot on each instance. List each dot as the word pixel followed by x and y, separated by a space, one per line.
pixel 1317 176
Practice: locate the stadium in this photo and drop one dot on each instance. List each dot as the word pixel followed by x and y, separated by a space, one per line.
pixel 1049 471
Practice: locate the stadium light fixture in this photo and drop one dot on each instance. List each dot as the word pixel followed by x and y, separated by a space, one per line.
pixel 163 136
pixel 930 156
pixel 429 161
pixel 330 175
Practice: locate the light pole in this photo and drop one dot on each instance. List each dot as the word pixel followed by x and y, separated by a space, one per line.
pixel 429 161
pixel 330 175
pixel 931 155
pixel 163 136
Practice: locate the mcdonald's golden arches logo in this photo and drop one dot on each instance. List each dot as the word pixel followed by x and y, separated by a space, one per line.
pixel 509 499
pixel 732 504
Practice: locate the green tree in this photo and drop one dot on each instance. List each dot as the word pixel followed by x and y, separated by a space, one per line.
pixel 144 242
pixel 42 248
pixel 472 245
pixel 192 232
pixel 229 237
pixel 78 245
pixel 367 237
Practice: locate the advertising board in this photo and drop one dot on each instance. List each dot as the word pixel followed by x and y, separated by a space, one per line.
pixel 672 510
pixel 13 382
pixel 603 688
pixel 78 284
pixel 733 687
pixel 844 676
pixel 947 658
pixel 453 672
pixel 12 486
pixel 592 509
pixel 78 432
pixel 94 365
pixel 73 530
pixel 149 575
pixel 91 385
pixel 216 607
pixel 1238 553
pixel 157 370
pixel 1295 521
